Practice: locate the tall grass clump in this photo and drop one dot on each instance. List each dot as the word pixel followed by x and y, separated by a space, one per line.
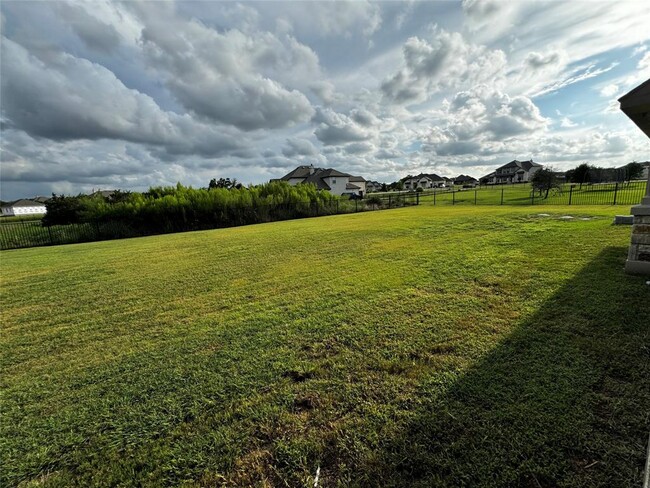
pixel 180 208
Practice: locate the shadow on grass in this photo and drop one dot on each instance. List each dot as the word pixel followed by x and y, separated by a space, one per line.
pixel 564 401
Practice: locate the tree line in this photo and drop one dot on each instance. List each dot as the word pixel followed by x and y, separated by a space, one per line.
pixel 172 208
pixel 587 173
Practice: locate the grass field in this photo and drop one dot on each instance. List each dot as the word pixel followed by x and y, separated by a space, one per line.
pixel 424 346
pixel 521 194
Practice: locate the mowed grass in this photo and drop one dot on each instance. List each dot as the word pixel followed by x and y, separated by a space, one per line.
pixel 424 346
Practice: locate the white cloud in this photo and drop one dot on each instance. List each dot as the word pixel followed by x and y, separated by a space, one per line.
pixel 232 77
pixel 443 62
pixel 72 98
pixel 609 90
pixel 566 122
pixel 299 147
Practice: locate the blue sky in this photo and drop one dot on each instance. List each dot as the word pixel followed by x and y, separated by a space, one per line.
pixel 133 94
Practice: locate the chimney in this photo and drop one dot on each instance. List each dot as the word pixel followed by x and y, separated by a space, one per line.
pixel 311 169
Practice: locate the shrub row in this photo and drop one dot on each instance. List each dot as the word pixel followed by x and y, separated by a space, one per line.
pixel 177 208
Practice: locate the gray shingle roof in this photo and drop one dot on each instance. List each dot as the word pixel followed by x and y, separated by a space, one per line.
pixel 299 172
pixel 23 202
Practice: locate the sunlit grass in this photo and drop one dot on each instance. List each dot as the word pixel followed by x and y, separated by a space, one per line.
pixel 482 346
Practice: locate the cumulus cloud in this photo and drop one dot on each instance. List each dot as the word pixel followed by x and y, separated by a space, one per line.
pixel 609 90
pixel 445 61
pixel 93 32
pixel 335 128
pixel 537 60
pixel 232 77
pixel 359 148
pixel 347 18
pixel 72 98
pixel 480 121
pixel 566 122
pixel 299 147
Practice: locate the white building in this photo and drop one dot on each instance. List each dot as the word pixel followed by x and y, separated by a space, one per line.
pixel 336 182
pixel 424 180
pixel 23 207
pixel 512 172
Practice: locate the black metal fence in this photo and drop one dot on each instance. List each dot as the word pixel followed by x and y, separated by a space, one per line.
pixel 568 194
pixel 21 234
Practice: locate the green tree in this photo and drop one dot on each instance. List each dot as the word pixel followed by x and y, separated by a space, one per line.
pixel 223 183
pixel 633 171
pixel 62 210
pixel 544 180
pixel 580 174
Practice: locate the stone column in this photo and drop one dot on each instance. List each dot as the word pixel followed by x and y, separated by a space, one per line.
pixel 638 258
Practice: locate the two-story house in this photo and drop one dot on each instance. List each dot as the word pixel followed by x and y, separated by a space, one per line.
pixel 512 172
pixel 423 180
pixel 373 186
pixel 465 181
pixel 336 182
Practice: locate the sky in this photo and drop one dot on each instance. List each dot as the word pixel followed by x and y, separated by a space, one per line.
pixel 105 95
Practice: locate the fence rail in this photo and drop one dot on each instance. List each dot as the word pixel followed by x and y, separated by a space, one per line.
pixel 568 194
pixel 22 234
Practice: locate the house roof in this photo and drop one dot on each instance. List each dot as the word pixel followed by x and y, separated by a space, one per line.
pixel 525 165
pixel 103 193
pixel 23 202
pixel 430 176
pixel 299 172
pixel 352 186
pixel 41 199
pixel 329 172
pixel 636 105
pixel 315 176
pixel 462 178
pixel 317 180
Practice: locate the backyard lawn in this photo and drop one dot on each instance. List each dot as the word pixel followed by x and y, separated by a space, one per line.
pixel 426 346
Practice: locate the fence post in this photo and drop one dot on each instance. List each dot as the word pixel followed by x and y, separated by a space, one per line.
pixel 389 200
pixel 453 197
pixel 434 197
pixel 337 207
pixel 570 193
pixel 501 196
pixel 356 205
pixel 475 192
pixel 615 193
pixel 49 231
pixel 532 197
pixel 417 199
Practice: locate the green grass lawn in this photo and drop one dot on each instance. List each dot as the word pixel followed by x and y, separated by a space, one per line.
pixel 424 346
pixel 629 193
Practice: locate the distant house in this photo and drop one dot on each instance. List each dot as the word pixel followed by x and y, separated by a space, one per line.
pixel 423 180
pixel 41 199
pixel 488 179
pixel 334 181
pixel 465 181
pixel 373 186
pixel 23 207
pixel 621 173
pixel 512 172
pixel 103 193
pixel 360 183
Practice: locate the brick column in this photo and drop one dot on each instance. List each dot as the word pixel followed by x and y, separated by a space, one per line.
pixel 638 258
